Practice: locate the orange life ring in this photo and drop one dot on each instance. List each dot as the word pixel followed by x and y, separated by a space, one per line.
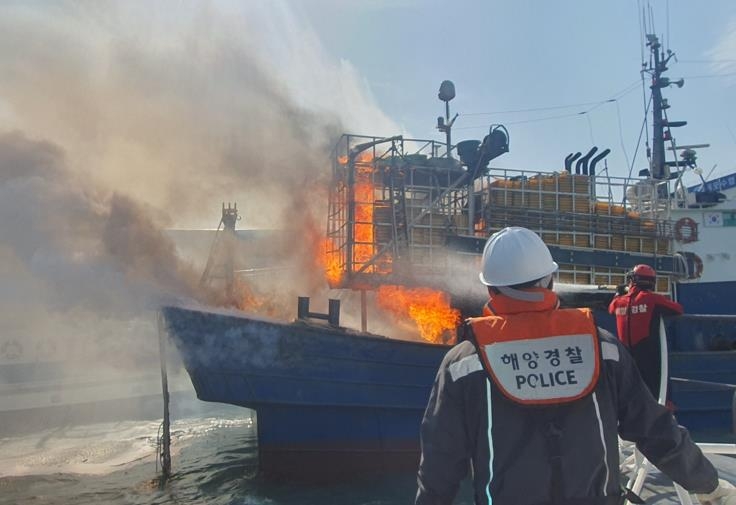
pixel 686 230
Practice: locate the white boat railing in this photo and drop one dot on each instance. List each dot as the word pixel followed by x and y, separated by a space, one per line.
pixel 637 466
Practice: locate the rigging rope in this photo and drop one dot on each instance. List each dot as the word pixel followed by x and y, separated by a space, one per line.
pixel 638 143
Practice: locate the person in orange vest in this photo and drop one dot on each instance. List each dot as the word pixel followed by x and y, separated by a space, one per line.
pixel 638 313
pixel 533 401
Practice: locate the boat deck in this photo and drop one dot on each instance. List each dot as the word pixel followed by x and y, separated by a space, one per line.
pixel 658 488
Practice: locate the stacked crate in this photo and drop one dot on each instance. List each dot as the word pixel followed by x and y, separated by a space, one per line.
pixel 560 207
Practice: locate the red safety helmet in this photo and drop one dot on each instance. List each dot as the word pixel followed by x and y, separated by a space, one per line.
pixel 643 276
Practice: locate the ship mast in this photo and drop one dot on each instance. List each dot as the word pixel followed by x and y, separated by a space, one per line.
pixel 659 168
pixel 221 260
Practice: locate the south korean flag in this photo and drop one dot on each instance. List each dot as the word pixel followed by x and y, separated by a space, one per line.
pixel 713 218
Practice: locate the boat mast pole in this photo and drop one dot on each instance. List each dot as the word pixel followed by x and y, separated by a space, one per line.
pixel 229 218
pixel 659 169
pixel 447 93
pixel 165 441
pixel 448 129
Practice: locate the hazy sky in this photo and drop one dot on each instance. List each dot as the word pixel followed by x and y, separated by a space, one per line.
pixel 533 54
pixel 185 104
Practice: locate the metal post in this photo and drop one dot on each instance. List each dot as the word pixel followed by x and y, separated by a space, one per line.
pixel 448 129
pixel 471 207
pixel 664 362
pixel 363 311
pixel 333 312
pixel 166 437
pixel 302 307
pixel 350 237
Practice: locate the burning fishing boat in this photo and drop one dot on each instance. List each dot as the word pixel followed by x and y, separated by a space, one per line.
pixel 406 214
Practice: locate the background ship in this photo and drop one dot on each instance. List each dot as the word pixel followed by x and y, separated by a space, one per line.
pixel 44 385
pixel 407 214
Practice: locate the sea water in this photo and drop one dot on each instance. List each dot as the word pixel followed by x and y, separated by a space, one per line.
pixel 214 462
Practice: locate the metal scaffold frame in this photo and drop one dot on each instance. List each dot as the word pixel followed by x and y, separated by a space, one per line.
pixel 391 205
pixel 394 203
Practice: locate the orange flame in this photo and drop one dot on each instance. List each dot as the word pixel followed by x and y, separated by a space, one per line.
pixel 429 309
pixel 249 300
pixel 333 255
pixel 364 198
pixel 363 157
pixel 331 263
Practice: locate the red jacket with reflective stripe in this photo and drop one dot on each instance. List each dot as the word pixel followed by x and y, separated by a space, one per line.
pixel 637 314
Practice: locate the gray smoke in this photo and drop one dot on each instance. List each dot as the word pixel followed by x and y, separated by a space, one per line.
pixel 76 257
pixel 121 119
pixel 182 109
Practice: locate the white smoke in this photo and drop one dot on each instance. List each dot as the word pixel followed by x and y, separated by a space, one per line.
pixel 182 108
pixel 120 119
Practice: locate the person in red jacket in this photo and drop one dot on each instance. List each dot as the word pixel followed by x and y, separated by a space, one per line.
pixel 638 314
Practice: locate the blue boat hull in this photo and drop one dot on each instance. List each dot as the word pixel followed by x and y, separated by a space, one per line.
pixel 335 402
pixel 351 402
pixel 707 297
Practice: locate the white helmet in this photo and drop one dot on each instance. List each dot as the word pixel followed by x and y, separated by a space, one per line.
pixel 515 255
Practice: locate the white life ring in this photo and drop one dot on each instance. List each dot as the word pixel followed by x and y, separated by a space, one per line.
pixel 686 230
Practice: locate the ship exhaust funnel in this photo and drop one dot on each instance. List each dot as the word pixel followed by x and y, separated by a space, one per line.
pixel 581 167
pixel 570 159
pixel 596 159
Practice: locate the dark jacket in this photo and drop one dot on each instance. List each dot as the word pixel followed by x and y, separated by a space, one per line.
pixel 532 454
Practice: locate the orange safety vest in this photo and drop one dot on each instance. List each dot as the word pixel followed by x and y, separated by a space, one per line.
pixel 537 354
